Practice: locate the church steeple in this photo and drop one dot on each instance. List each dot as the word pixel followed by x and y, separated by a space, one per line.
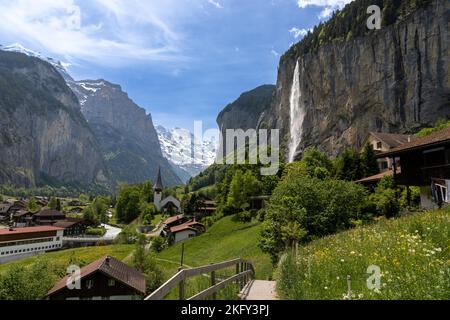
pixel 158 187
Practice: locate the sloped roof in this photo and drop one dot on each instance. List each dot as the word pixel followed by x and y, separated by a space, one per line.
pixel 378 177
pixel 112 268
pixel 173 219
pixel 393 140
pixel 49 213
pixel 67 223
pixel 186 226
pixel 29 230
pixel 430 140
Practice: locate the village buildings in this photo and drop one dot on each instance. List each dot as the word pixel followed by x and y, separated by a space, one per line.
pixel 384 142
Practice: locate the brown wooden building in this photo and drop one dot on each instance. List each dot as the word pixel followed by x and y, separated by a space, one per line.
pixel 383 142
pixel 73 227
pixel 48 217
pixel 425 162
pixel 104 279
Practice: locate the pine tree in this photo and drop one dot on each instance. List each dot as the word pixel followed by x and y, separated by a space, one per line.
pixel 369 161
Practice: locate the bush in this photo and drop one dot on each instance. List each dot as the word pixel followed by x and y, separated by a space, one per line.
pixel 158 244
pixel 128 236
pixel 244 216
pixel 98 232
pixel 385 198
pixel 309 208
pixel 20 283
pixel 146 264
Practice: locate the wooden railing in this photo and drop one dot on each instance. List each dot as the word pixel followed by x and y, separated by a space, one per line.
pixel 244 273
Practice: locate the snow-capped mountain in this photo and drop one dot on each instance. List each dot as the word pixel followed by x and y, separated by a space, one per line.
pixel 179 147
pixel 61 67
pixel 86 89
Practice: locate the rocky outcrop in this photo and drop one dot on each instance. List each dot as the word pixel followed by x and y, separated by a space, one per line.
pixel 396 79
pixel 44 138
pixel 126 134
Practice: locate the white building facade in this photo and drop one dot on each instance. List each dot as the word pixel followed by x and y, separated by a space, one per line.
pixel 20 243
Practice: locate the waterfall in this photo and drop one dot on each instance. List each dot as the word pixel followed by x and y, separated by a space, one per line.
pixel 297 114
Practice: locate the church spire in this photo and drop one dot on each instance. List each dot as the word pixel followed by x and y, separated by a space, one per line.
pixel 159 185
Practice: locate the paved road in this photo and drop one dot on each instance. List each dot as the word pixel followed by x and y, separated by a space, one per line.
pixel 260 290
pixel 111 232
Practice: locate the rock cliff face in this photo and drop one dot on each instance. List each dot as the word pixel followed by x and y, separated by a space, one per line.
pixel 128 139
pixel 248 110
pixel 44 138
pixel 396 79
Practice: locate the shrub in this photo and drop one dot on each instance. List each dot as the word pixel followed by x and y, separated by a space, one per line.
pixel 311 208
pixel 128 236
pixel 158 244
pixel 98 232
pixel 385 198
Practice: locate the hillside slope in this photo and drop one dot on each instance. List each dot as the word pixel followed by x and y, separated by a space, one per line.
pixel 225 240
pixel 412 252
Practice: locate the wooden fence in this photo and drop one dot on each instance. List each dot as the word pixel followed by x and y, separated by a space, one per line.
pixel 244 273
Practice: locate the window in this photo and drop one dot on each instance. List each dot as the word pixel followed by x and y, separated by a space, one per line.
pixel 379 145
pixel 89 284
pixel 441 193
pixel 111 283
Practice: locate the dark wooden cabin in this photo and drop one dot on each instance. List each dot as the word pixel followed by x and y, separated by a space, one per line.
pixel 425 162
pixel 104 279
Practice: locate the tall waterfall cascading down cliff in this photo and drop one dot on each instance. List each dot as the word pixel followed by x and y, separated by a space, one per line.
pixel 297 114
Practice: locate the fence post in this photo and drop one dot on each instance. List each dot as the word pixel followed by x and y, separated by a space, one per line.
pixel 242 278
pixel 213 283
pixel 181 286
pixel 349 283
pixel 237 272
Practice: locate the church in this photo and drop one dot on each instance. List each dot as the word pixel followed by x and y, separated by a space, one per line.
pixel 169 205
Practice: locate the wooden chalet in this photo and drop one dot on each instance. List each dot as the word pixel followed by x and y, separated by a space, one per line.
pixel 104 279
pixel 425 162
pixel 383 142
pixel 48 217
pixel 23 218
pixel 186 231
pixel 73 227
pixel 174 221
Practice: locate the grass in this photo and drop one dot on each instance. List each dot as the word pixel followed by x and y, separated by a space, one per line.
pixel 82 256
pixel 412 253
pixel 156 219
pixel 225 240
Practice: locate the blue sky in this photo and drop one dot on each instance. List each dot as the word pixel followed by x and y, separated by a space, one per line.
pixel 182 60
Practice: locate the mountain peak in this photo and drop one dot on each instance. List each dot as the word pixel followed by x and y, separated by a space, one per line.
pixel 61 67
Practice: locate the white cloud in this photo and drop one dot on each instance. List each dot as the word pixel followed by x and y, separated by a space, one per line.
pixel 216 3
pixel 299 33
pixel 275 53
pixel 124 29
pixel 330 6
